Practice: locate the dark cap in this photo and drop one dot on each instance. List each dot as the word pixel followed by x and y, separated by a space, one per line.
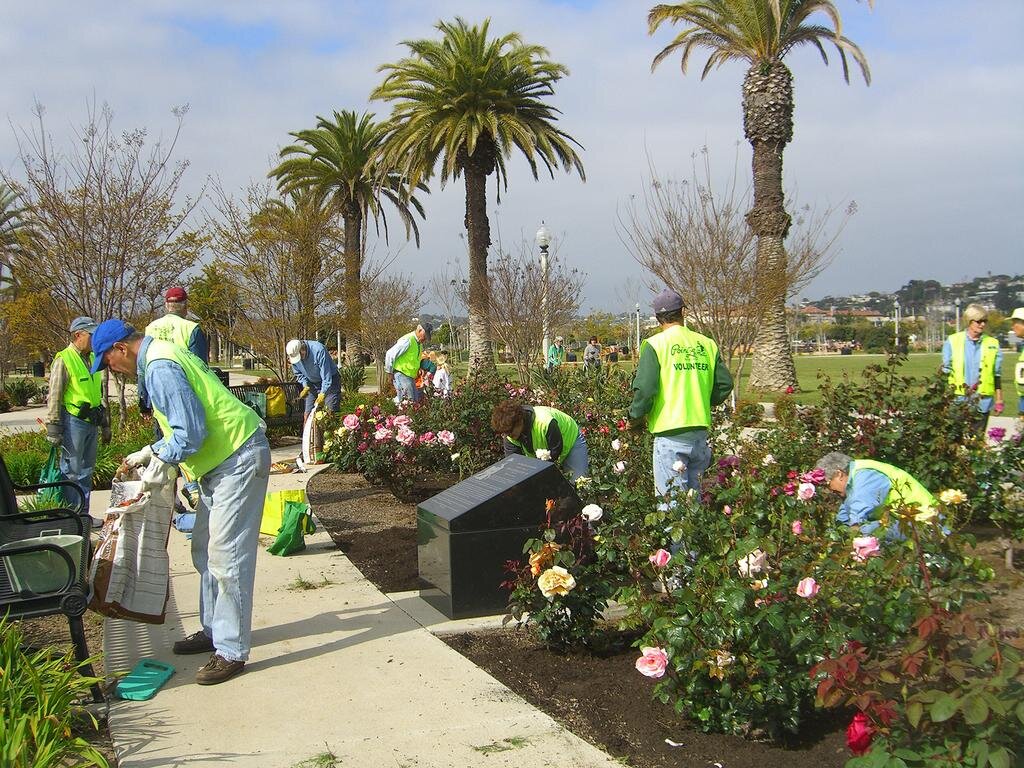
pixel 106 335
pixel 177 293
pixel 667 301
pixel 428 328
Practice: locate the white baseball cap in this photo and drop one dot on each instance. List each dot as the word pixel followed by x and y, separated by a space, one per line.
pixel 294 350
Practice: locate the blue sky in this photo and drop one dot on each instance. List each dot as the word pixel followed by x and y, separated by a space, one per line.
pixel 931 152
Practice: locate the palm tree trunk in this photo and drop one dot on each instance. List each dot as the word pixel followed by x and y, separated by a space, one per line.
pixel 478 230
pixel 768 125
pixel 353 283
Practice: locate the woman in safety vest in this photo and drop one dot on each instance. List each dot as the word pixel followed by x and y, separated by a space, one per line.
pixel 973 361
pixel 1017 318
pixel 543 433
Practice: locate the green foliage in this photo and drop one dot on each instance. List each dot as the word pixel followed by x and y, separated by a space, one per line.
pixel 997 490
pixel 5 401
pixel 951 694
pixel 38 695
pixel 748 414
pixel 352 375
pixel 21 391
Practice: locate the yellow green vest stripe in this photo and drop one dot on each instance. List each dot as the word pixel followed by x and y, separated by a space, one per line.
pixel 82 386
pixel 987 373
pixel 542 417
pixel 409 361
pixel 904 488
pixel 172 328
pixel 687 365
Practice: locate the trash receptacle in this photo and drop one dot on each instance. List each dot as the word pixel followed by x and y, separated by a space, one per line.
pixel 43 571
pixel 38 369
pixel 247 363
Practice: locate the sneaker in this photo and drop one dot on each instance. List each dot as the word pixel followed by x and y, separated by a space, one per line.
pixel 197 642
pixel 217 670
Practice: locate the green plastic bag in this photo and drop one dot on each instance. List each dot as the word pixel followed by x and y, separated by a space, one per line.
pixel 51 498
pixel 296 522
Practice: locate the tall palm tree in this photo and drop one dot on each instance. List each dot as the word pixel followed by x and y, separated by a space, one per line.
pixel 14 224
pixel 461 105
pixel 762 32
pixel 339 162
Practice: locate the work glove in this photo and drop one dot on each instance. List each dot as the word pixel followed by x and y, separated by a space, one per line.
pixel 158 474
pixel 54 434
pixel 320 398
pixel 140 458
pixel 304 392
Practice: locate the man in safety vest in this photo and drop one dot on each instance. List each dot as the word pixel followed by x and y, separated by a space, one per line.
pixel 544 433
pixel 316 371
pixel 679 378
pixel 974 361
pixel 402 361
pixel 870 487
pixel 211 436
pixel 1017 318
pixel 74 407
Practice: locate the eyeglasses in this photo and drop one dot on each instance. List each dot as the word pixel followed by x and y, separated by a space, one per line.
pixel 980 322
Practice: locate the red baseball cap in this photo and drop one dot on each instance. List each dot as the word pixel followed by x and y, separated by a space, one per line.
pixel 177 293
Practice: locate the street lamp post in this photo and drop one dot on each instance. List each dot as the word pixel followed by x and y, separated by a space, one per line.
pixel 897 305
pixel 636 349
pixel 543 239
pixel 957 302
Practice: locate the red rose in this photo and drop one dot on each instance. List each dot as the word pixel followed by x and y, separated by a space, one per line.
pixel 790 390
pixel 859 733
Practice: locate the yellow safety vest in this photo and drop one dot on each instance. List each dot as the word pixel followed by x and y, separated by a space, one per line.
pixel 904 488
pixel 687 361
pixel 82 387
pixel 987 372
pixel 1019 375
pixel 409 361
pixel 542 417
pixel 172 328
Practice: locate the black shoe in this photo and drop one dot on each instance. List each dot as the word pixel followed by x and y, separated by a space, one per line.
pixel 217 670
pixel 197 642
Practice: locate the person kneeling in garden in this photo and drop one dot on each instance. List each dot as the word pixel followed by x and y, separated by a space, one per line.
pixel 543 433
pixel 869 487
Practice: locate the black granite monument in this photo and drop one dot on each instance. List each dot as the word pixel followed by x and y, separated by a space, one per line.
pixel 466 533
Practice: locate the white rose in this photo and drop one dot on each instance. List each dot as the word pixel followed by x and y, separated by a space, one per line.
pixel 679 466
pixel 768 460
pixel 616 444
pixel 592 513
pixel 543 454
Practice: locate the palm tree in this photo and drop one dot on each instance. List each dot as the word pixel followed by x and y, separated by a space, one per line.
pixel 339 163
pixel 13 226
pixel 762 32
pixel 461 105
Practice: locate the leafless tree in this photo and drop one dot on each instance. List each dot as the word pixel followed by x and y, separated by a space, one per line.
pixel 390 301
pixel 694 237
pixel 446 290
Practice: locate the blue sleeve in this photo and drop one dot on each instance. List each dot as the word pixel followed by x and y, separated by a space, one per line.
pixel 328 370
pixel 199 346
pixel 863 496
pixel 947 356
pixel 172 395
pixel 300 375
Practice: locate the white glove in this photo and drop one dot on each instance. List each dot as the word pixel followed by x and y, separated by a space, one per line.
pixel 157 475
pixel 139 458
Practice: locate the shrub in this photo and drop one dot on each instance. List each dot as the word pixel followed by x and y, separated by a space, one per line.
pixel 748 414
pixel 21 391
pixel 5 401
pixel 352 376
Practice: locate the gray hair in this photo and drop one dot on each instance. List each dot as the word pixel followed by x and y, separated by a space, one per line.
pixel 975 312
pixel 834 463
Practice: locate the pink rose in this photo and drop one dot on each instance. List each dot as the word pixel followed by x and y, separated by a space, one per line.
pixel 727 510
pixel 427 438
pixel 798 527
pixel 789 489
pixel 405 435
pixel 382 433
pixel 865 547
pixel 445 437
pixel 351 422
pixel 402 420
pixel 619 467
pixel 805 492
pixel 816 476
pixel 652 663
pixel 660 558
pixel 362 447
pixel 807 587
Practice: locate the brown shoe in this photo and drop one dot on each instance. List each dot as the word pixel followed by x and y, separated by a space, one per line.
pixel 197 642
pixel 217 670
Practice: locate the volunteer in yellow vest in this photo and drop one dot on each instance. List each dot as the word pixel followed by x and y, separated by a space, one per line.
pixel 402 361
pixel 679 378
pixel 544 433
pixel 74 410
pixel 211 436
pixel 869 486
pixel 1017 318
pixel 973 361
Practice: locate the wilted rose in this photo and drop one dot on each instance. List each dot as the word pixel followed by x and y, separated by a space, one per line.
pixel 865 547
pixel 543 557
pixel 805 492
pixel 660 558
pixel 859 734
pixel 653 662
pixel 753 563
pixel 555 581
pixel 789 489
pixel 592 513
pixel 382 433
pixel 679 466
pixel 351 421
pixel 807 587
pixel 798 527
pixel 768 460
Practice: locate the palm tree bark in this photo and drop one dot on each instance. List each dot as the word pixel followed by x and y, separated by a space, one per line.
pixel 478 231
pixel 768 125
pixel 353 218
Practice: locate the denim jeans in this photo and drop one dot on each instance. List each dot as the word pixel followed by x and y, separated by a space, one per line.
pixel 405 388
pixel 577 463
pixel 224 543
pixel 332 399
pixel 78 453
pixel 691 448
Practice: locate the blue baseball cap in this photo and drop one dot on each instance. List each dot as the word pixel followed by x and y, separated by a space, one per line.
pixel 106 335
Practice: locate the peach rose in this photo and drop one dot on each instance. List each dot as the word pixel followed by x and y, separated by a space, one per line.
pixel 865 547
pixel 543 557
pixel 807 587
pixel 653 662
pixel 753 563
pixel 660 558
pixel 555 581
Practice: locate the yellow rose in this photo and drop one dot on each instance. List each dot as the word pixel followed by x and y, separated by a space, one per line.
pixel 555 581
pixel 952 496
pixel 542 558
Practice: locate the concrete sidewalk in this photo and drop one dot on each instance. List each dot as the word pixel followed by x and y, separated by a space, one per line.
pixel 340 669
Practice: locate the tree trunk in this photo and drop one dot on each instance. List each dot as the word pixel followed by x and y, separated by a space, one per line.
pixel 768 126
pixel 478 230
pixel 353 283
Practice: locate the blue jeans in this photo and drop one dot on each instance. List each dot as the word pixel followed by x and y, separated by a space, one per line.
pixel 691 448
pixel 577 463
pixel 78 453
pixel 405 388
pixel 224 543
pixel 332 398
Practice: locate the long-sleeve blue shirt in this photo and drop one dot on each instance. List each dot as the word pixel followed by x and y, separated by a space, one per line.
pixel 172 395
pixel 972 366
pixel 865 492
pixel 317 370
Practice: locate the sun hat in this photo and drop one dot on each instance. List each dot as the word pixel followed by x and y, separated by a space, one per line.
pixel 294 350
pixel 1018 314
pixel 106 335
pixel 83 323
pixel 667 301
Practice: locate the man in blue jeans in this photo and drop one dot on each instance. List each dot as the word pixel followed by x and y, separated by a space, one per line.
pixel 402 361
pixel 210 436
pixel 679 378
pixel 316 371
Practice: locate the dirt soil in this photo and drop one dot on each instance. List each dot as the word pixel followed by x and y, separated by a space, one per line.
pixel 600 698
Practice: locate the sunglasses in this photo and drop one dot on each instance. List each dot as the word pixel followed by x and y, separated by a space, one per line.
pixel 980 322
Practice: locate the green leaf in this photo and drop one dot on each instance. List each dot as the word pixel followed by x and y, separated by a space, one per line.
pixel 944 708
pixel 975 710
pixel 999 758
pixel 1020 711
pixel 914 711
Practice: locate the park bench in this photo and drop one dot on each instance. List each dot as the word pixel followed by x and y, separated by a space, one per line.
pixel 254 395
pixel 27 532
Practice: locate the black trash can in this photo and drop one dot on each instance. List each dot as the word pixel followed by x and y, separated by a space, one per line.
pixel 247 363
pixel 38 369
